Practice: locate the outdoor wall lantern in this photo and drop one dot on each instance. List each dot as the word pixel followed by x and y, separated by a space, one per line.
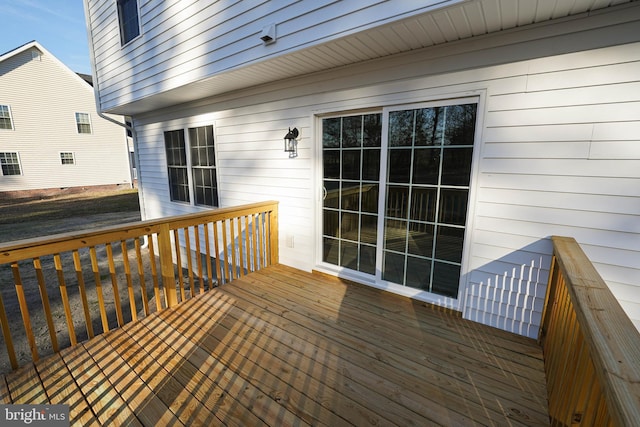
pixel 291 143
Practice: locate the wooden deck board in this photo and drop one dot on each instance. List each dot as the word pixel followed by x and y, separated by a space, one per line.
pixel 286 348
pixel 62 389
pixel 392 349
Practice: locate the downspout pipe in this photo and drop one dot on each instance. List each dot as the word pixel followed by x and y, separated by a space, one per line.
pixel 96 94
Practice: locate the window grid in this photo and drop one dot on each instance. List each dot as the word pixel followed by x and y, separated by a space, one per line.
pixel 10 164
pixel 426 201
pixel 203 163
pixel 128 20
pixel 83 123
pixel 67 158
pixel 177 165
pixel 351 153
pixel 5 117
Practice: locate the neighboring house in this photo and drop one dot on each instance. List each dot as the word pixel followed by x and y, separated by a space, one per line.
pixel 51 135
pixel 441 143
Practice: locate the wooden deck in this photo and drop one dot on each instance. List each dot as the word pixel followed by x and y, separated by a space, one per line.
pixel 281 347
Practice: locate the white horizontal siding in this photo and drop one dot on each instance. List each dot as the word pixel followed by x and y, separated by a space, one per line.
pixel 543 165
pixel 44 96
pixel 185 41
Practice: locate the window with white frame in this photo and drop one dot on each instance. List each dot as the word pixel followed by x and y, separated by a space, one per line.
pixel 191 165
pixel 396 197
pixel 128 20
pixel 67 159
pixel 175 148
pixel 5 117
pixel 10 163
pixel 83 122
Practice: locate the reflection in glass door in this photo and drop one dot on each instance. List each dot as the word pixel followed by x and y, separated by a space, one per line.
pixel 426 165
pixel 428 171
pixel 351 174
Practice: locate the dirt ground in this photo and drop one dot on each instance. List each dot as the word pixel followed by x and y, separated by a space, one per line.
pixel 39 215
pixel 36 214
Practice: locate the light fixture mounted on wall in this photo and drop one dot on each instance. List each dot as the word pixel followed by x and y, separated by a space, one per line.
pixel 291 142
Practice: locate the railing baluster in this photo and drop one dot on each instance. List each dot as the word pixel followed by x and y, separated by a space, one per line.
pixel 22 301
pixel 77 264
pixel 240 249
pixel 176 245
pixel 143 283
pixel 232 248
pixel 37 265
pixel 592 391
pixel 98 282
pixel 187 240
pixel 166 265
pixel 262 251
pixel 196 232
pixel 228 278
pixel 248 238
pixel 254 231
pixel 154 274
pixel 127 275
pixel 6 333
pixel 114 285
pixel 207 245
pixel 216 248
pixel 65 298
pixel 246 244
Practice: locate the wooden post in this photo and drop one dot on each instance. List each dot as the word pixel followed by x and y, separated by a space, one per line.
pixel 273 236
pixel 591 348
pixel 166 265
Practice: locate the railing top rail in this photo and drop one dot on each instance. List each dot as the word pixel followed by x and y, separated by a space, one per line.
pixel 613 339
pixel 40 246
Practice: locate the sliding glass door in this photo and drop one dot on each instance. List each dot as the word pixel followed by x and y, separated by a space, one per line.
pixel 395 202
pixel 351 179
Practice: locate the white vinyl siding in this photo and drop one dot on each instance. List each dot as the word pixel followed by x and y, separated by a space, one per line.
pixel 194 49
pixel 553 158
pixel 43 114
pixel 201 39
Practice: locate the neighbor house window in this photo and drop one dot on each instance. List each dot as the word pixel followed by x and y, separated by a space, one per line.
pixel 10 164
pixel 191 166
pixel 5 117
pixel 83 123
pixel 128 19
pixel 67 158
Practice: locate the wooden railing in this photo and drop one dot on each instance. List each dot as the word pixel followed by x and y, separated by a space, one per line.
pixel 53 293
pixel 591 348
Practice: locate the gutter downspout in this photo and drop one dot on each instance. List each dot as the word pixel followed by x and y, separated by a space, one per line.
pixel 96 94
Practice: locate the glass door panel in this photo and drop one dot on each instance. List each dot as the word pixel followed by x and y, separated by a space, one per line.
pixel 428 173
pixel 351 177
pixel 426 165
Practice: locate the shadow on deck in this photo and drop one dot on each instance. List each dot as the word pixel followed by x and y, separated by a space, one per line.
pixel 283 347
